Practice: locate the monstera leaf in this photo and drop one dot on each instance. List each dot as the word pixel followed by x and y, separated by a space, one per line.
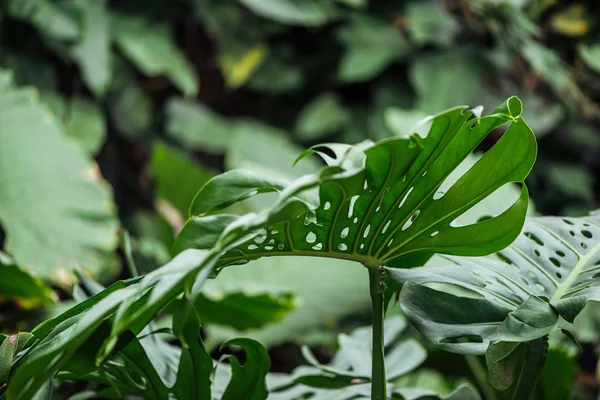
pixel 511 297
pixel 378 203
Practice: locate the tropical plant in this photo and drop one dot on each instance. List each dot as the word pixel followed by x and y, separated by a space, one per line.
pixel 506 304
pixel 380 204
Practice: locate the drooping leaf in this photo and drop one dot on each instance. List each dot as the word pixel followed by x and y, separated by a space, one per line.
pixel 516 295
pixel 92 51
pixel 77 223
pixel 150 47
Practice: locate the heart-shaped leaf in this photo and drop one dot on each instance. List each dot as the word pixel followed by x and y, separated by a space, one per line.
pixel 378 203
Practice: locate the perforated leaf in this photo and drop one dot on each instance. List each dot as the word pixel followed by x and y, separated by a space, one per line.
pixel 378 203
pixel 516 295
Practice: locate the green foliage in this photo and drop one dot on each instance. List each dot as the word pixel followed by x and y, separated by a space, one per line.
pixel 515 296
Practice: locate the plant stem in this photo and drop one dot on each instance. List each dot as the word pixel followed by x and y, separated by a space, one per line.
pixel 378 379
pixel 480 375
pixel 535 357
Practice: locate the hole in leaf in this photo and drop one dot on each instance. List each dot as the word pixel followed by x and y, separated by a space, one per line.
pixel 280 246
pixel 365 185
pixel 559 275
pixel 311 237
pixel 572 233
pixel 274 232
pixel 463 339
pixel 351 207
pixel 405 197
pixel 367 229
pixel 504 258
pixel 537 252
pixel 386 226
pixel 270 245
pixel 252 247
pixel 345 232
pixel 596 275
pixel 434 233
pixel 362 246
pixel 259 239
pixel 355 220
pixel 587 234
pixel 410 221
pixel 390 242
pixel 318 246
pixel 560 253
pixel 534 238
pixel 555 261
pixel 567 221
pixel 327 206
pixel 342 247
pixel 583 245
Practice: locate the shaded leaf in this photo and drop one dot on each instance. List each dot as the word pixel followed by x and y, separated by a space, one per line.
pixel 322 116
pixel 248 380
pixel 77 224
pixel 19 286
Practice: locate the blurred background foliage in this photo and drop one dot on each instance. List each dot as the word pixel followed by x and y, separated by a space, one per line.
pixel 143 102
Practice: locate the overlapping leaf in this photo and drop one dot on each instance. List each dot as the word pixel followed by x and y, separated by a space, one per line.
pixel 378 204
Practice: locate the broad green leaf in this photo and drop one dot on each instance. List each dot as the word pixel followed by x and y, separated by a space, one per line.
pixel 243 310
pixel 92 51
pixel 7 351
pixel 322 116
pixel 19 286
pixel 75 224
pixel 149 46
pixel 293 12
pixel 279 73
pixel 197 127
pixel 371 45
pixel 248 380
pixel 591 55
pixel 375 206
pixel 177 176
pixel 559 374
pixel 516 295
pixel 438 86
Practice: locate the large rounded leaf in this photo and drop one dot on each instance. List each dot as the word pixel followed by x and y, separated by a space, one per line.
pixel 516 295
pixel 56 213
pixel 379 204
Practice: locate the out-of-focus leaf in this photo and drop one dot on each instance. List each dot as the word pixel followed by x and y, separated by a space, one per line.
pixel 131 110
pixel 293 12
pixel 444 79
pixel 244 310
pixel 92 51
pixel 371 45
pixel 558 375
pixel 279 73
pixel 47 16
pixel 177 177
pixel 404 123
pixel 547 64
pixel 239 63
pixel 248 380
pixel 197 127
pixel 573 21
pixel 149 45
pixel 19 286
pixel 321 117
pixel 83 119
pixel 430 23
pixel 77 223
pixel 591 55
pixel 572 179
